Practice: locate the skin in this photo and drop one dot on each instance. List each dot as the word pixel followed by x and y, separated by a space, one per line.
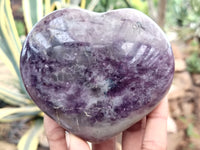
pixel 148 134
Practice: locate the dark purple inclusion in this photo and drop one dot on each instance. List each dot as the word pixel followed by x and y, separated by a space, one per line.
pixel 89 71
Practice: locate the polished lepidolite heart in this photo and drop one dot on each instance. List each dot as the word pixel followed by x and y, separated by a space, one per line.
pixel 96 74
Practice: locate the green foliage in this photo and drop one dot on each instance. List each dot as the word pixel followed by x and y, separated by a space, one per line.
pixel 105 5
pixel 20 27
pixel 191 132
pixel 177 11
pixel 186 15
pixel 183 12
pixel 141 5
pixel 193 63
pixel 30 139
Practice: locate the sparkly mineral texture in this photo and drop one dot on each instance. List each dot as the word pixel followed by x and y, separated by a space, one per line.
pixel 96 74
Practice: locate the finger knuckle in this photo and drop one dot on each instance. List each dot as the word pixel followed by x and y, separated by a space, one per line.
pixel 51 136
pixel 153 145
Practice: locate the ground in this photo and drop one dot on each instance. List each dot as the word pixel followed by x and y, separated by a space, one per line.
pixel 184 104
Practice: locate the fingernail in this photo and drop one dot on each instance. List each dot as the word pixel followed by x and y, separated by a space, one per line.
pixel 67 137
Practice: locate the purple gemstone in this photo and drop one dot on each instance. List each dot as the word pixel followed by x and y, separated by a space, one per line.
pixel 96 74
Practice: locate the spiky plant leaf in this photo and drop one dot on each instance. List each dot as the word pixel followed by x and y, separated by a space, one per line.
pixel 18 113
pixel 33 12
pixel 30 139
pixel 10 44
pixel 14 98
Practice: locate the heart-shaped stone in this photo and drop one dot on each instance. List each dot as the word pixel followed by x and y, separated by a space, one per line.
pixel 96 74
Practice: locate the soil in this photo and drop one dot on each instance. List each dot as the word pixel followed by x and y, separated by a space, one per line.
pixel 184 104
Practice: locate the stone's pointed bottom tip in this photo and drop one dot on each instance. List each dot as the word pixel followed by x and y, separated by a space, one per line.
pixel 96 74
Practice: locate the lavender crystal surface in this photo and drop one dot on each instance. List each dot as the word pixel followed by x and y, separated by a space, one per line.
pixel 96 74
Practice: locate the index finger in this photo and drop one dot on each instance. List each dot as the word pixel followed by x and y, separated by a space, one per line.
pixel 55 134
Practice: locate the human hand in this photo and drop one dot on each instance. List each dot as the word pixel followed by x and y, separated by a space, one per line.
pixel 148 134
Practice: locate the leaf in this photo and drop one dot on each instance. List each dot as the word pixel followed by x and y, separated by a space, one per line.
pixel 139 5
pixel 56 5
pixel 47 6
pixel 68 2
pixel 13 98
pixel 75 2
pixel 193 63
pixel 8 63
pixel 9 39
pixel 92 5
pixel 12 27
pixel 11 114
pixel 20 28
pixel 30 139
pixel 191 131
pixel 7 34
pixel 10 46
pixel 83 3
pixel 33 12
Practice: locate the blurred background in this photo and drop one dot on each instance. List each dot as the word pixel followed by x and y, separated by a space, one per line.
pixel 21 123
